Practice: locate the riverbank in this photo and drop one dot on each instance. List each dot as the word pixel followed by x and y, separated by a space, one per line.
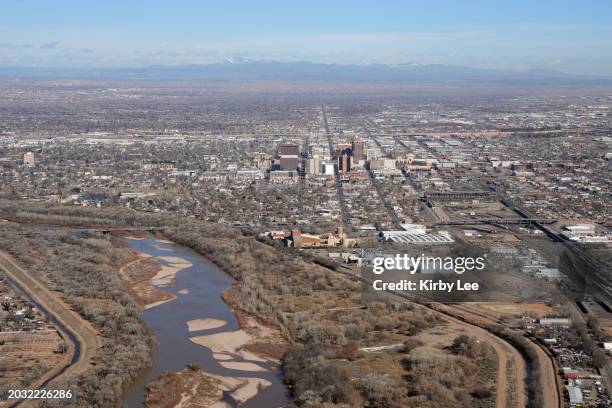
pixel 266 340
pixel 146 277
pixel 194 387
pixel 137 277
pixel 233 358
pixel 245 349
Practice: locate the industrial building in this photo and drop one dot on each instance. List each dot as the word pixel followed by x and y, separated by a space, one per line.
pixel 417 237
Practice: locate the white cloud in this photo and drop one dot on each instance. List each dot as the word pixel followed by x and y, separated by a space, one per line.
pixel 511 47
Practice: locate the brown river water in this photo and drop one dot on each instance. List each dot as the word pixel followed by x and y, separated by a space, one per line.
pixel 205 283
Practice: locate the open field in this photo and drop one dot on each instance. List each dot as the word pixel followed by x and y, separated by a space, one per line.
pixel 26 356
pixel 498 310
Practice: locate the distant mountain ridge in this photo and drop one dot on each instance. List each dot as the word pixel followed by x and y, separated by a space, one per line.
pixel 246 70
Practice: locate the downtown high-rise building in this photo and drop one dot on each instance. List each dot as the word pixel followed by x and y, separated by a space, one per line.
pixel 344 163
pixel 289 150
pixel 289 156
pixel 358 150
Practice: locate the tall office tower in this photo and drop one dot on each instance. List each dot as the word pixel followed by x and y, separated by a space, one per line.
pixel 289 150
pixel 313 166
pixel 341 148
pixel 344 163
pixel 358 154
pixel 28 159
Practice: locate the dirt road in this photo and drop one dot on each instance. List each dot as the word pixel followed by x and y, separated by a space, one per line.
pixel 82 339
pixel 548 387
pixel 511 366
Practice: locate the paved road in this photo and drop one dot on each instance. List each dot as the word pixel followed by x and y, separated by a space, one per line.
pixel 81 337
pixel 381 194
pixel 339 192
pixel 397 223
pixel 304 155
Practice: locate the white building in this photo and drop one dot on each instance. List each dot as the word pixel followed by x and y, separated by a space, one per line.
pixel 414 228
pixel 28 159
pixel 583 233
pixel 581 229
pixel 417 237
pixel 382 164
pixel 328 168
pixel 555 321
pixel 575 396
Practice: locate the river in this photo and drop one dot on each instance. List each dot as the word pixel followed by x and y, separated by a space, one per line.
pixel 205 283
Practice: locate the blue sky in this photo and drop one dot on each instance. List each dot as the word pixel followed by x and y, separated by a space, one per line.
pixel 572 36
